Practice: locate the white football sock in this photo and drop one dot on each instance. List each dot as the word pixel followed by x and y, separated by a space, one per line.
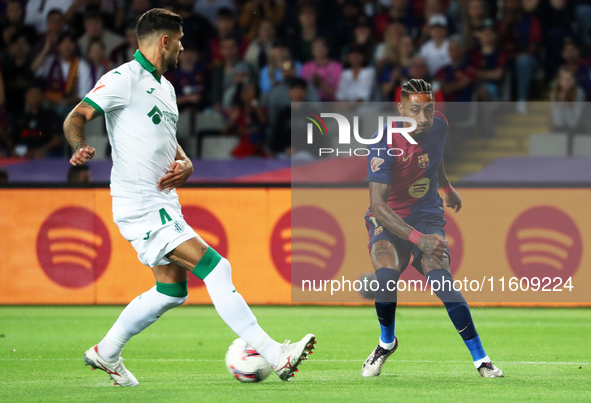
pixel 138 315
pixel 478 363
pixel 387 346
pixel 235 312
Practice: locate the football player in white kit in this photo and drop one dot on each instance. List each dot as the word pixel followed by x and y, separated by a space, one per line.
pixel 140 110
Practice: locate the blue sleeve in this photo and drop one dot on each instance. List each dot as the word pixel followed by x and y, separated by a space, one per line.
pixel 379 164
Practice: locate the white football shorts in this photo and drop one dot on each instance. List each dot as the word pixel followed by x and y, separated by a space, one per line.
pixel 154 233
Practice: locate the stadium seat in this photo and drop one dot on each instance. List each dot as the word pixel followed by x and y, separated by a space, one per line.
pixel 218 147
pixel 185 134
pixel 209 121
pixel 548 145
pixel 582 145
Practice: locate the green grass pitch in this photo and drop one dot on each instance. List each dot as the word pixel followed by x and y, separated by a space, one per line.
pixel 545 354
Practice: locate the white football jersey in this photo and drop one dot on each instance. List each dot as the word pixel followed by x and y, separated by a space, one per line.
pixel 141 115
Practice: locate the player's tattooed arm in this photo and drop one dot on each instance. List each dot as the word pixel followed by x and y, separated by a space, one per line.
pixel 74 132
pixel 378 196
pixel 430 244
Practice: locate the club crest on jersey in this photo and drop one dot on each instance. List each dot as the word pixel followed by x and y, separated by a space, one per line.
pixel 378 231
pixel 375 163
pixel 423 161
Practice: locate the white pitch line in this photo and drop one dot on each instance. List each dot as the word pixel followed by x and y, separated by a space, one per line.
pixel 311 359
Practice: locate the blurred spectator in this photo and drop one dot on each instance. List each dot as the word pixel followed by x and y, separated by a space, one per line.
pixel 47 42
pixel 124 53
pixel 37 132
pixel 241 74
pixel 94 29
pixel 195 27
pixel 435 52
pixel 112 13
pixel 473 22
pixel 189 80
pixel 138 7
pixel 272 73
pixel 363 39
pixel 357 82
pixel 15 16
pixel 16 71
pixel 248 119
pixel 256 11
pixel 322 72
pixel 489 62
pixel 37 11
pixel 521 33
pixel 281 130
pixel 306 31
pixel 67 75
pixel 457 78
pixel 223 74
pixel 79 174
pixel 556 18
pixel 389 48
pixel 431 9
pixel 279 97
pixel 97 58
pixel 259 50
pixel 399 10
pixel 3 177
pixel 568 103
pixel 225 27
pixel 209 9
pixel 571 55
pixel 583 17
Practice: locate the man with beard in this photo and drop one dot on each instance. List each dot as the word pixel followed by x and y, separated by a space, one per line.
pixel 141 113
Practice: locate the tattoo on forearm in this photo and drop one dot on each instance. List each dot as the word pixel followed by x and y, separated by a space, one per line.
pixel 74 126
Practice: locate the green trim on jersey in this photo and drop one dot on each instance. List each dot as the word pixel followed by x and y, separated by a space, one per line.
pixel 178 290
pixel 94 105
pixel 141 59
pixel 207 263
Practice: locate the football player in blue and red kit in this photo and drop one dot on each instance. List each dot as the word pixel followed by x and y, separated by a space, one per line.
pixel 406 217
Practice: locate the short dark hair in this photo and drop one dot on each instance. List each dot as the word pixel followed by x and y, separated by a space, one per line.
pixel 54 11
pixel 158 19
pixel 298 82
pixel 226 13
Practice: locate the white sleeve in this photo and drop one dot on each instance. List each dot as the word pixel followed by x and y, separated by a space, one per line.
pixel 111 92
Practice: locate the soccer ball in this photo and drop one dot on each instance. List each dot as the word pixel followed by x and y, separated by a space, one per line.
pixel 245 364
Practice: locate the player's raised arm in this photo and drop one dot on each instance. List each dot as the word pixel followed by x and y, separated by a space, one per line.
pixel 74 131
pixel 431 244
pixel 452 198
pixel 178 172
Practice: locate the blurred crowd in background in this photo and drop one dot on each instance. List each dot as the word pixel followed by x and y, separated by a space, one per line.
pixel 244 62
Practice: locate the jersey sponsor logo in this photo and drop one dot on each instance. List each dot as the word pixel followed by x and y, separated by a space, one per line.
pixel 151 90
pixel 419 188
pixel 157 115
pixel 407 157
pixel 424 161
pixel 375 163
pixel 99 86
